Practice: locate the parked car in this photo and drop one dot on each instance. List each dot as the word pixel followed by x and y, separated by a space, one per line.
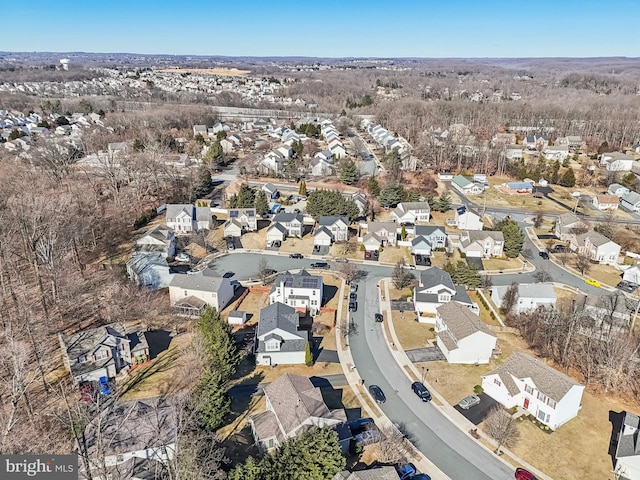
pixel 592 282
pixel 103 386
pixel 421 391
pixel 193 271
pixel 627 286
pixel 375 254
pixel 467 402
pixel 378 317
pixel 353 287
pixel 559 249
pixel 296 255
pixel 341 260
pixel 231 246
pixel 353 306
pixel 182 257
pixel 353 296
pixel 235 284
pixel 522 474
pixel 407 471
pixel 544 255
pixel 228 274
pixel 324 265
pixel 408 266
pixel 377 394
pixel 367 255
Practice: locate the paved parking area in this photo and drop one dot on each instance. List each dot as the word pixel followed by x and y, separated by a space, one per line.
pixel 478 413
pixel 427 354
pixel 400 305
pixel 476 263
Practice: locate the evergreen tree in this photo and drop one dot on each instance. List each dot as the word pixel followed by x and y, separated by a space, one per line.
pixel 373 187
pixel 251 469
pixel 568 178
pixel 391 195
pixel 328 202
pixel 298 148
pixel 412 195
pixel 215 153
pixel 212 403
pixel 219 344
pixel 261 204
pixel 245 198
pixel 513 237
pixel 443 203
pixel 202 185
pixel 221 135
pixel 348 172
pixel 303 188
pixel 462 274
pixel 308 357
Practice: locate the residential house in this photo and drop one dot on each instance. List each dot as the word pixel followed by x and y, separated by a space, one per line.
pixel 133 440
pixel 186 218
pixel 361 201
pixel 462 336
pixel 246 217
pixel 631 202
pixel 385 232
pixel 606 202
pixel 191 293
pixel 325 156
pixel 294 406
pixel 102 352
pixel 337 226
pixel 616 162
pixel 627 456
pixel 301 291
pixel 321 167
pixel 149 270
pixel 276 232
pixel 227 146
pixel 467 219
pixel 535 142
pixel 338 150
pixel 159 239
pixel 524 381
pixel 285 151
pixel 514 152
pixel 292 225
pixel 559 152
pixel 270 190
pixel 483 243
pixel 421 246
pixel 436 288
pixel 411 212
pixel 232 228
pixel 617 189
pixel 272 163
pixel 574 142
pixel 322 236
pixel 434 235
pixel 377 473
pixel 530 296
pixel 279 340
pixel 466 186
pixel 200 130
pixel 632 275
pixel 598 247
pixel 566 226
pixel 502 139
pixel 516 188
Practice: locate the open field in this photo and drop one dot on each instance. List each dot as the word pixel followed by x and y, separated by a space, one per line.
pixel 221 72
pixel 395 254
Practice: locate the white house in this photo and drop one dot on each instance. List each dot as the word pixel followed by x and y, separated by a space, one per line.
pixel 481 244
pixel 631 202
pixel 556 152
pixel 279 340
pixel 522 380
pixel 466 219
pixel 530 296
pixel 149 270
pixel 185 218
pixel 301 291
pixel 411 212
pixel 246 217
pixel 632 275
pixel 321 167
pixel 617 189
pixel 606 202
pixel 426 238
pixel 628 448
pixel 337 226
pixel 466 186
pixel 276 231
pixel 293 405
pixel 385 232
pixel 292 223
pixel 322 236
pixel 566 224
pixel 598 247
pixel 189 294
pixel 462 336
pixel 436 288
pixel 142 439
pixel 616 162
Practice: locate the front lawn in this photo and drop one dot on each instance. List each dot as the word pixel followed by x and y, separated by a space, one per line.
pixel 411 333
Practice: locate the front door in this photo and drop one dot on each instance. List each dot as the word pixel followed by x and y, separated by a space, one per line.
pixel 526 403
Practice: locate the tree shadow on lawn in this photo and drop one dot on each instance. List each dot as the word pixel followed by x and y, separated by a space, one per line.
pixel 158 341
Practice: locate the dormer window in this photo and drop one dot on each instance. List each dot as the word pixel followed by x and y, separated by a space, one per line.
pixel 272 345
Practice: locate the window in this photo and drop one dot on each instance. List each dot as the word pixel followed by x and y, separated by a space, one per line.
pixel 528 389
pixel 497 382
pixel 552 404
pixel 445 297
pixel 272 346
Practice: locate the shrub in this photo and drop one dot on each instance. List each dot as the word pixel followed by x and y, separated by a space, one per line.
pixel 478 389
pixel 362 249
pixel 308 358
pixel 463 255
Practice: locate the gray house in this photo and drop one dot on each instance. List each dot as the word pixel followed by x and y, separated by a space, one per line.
pixel 386 232
pixel 338 226
pixel 149 270
pixel 278 337
pixel 292 223
pixel 246 217
pixel 190 294
pixel 631 202
pixel 628 448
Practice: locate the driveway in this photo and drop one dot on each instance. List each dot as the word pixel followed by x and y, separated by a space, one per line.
pixel 478 413
pixel 475 262
pixel 428 354
pixel 401 305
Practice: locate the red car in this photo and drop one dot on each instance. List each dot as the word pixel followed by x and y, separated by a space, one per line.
pixel 522 474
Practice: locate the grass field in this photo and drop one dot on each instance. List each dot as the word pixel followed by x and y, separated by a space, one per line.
pixel 502 263
pixel 411 334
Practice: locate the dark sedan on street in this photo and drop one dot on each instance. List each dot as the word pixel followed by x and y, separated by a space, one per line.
pixel 377 394
pixel 421 391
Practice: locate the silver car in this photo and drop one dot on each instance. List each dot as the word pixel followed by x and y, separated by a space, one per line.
pixel 467 402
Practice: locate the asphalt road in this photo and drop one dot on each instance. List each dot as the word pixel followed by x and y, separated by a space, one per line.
pixel 368 165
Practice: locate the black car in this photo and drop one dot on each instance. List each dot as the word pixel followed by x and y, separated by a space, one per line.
pixel 353 296
pixel 296 255
pixel 324 265
pixel 544 255
pixel 378 317
pixel 627 286
pixel 377 394
pixel 421 391
pixel 559 249
pixel 353 306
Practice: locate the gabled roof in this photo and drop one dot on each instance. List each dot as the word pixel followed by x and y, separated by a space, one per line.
pixel 548 380
pixel 322 231
pixel 632 198
pixel 568 219
pixel 435 276
pixel 462 182
pixel 471 236
pixel 608 199
pixel 207 280
pixel 288 217
pixel 461 321
pixel 428 230
pixel 541 291
pixel 297 280
pixel 294 400
pixel 519 185
pixel 374 227
pixel 88 340
pixel 283 317
pixel 595 238
pixel 420 240
pixel 279 227
pixel 629 440
pixel 331 220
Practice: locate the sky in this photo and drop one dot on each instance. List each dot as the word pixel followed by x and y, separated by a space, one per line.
pixel 325 28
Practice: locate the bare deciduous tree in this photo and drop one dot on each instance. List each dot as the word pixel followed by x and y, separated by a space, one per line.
pixel 583 263
pixel 401 277
pixel 509 299
pixel 502 427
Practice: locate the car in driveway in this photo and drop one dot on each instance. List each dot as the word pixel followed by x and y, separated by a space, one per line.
pixel 353 306
pixel 360 423
pixel 378 317
pixel 522 474
pixel 182 257
pixel 627 286
pixel 406 471
pixel 103 386
pixel 324 265
pixel 544 255
pixel 421 391
pixel 296 255
pixel 377 394
pixel 467 402
pixel 592 282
